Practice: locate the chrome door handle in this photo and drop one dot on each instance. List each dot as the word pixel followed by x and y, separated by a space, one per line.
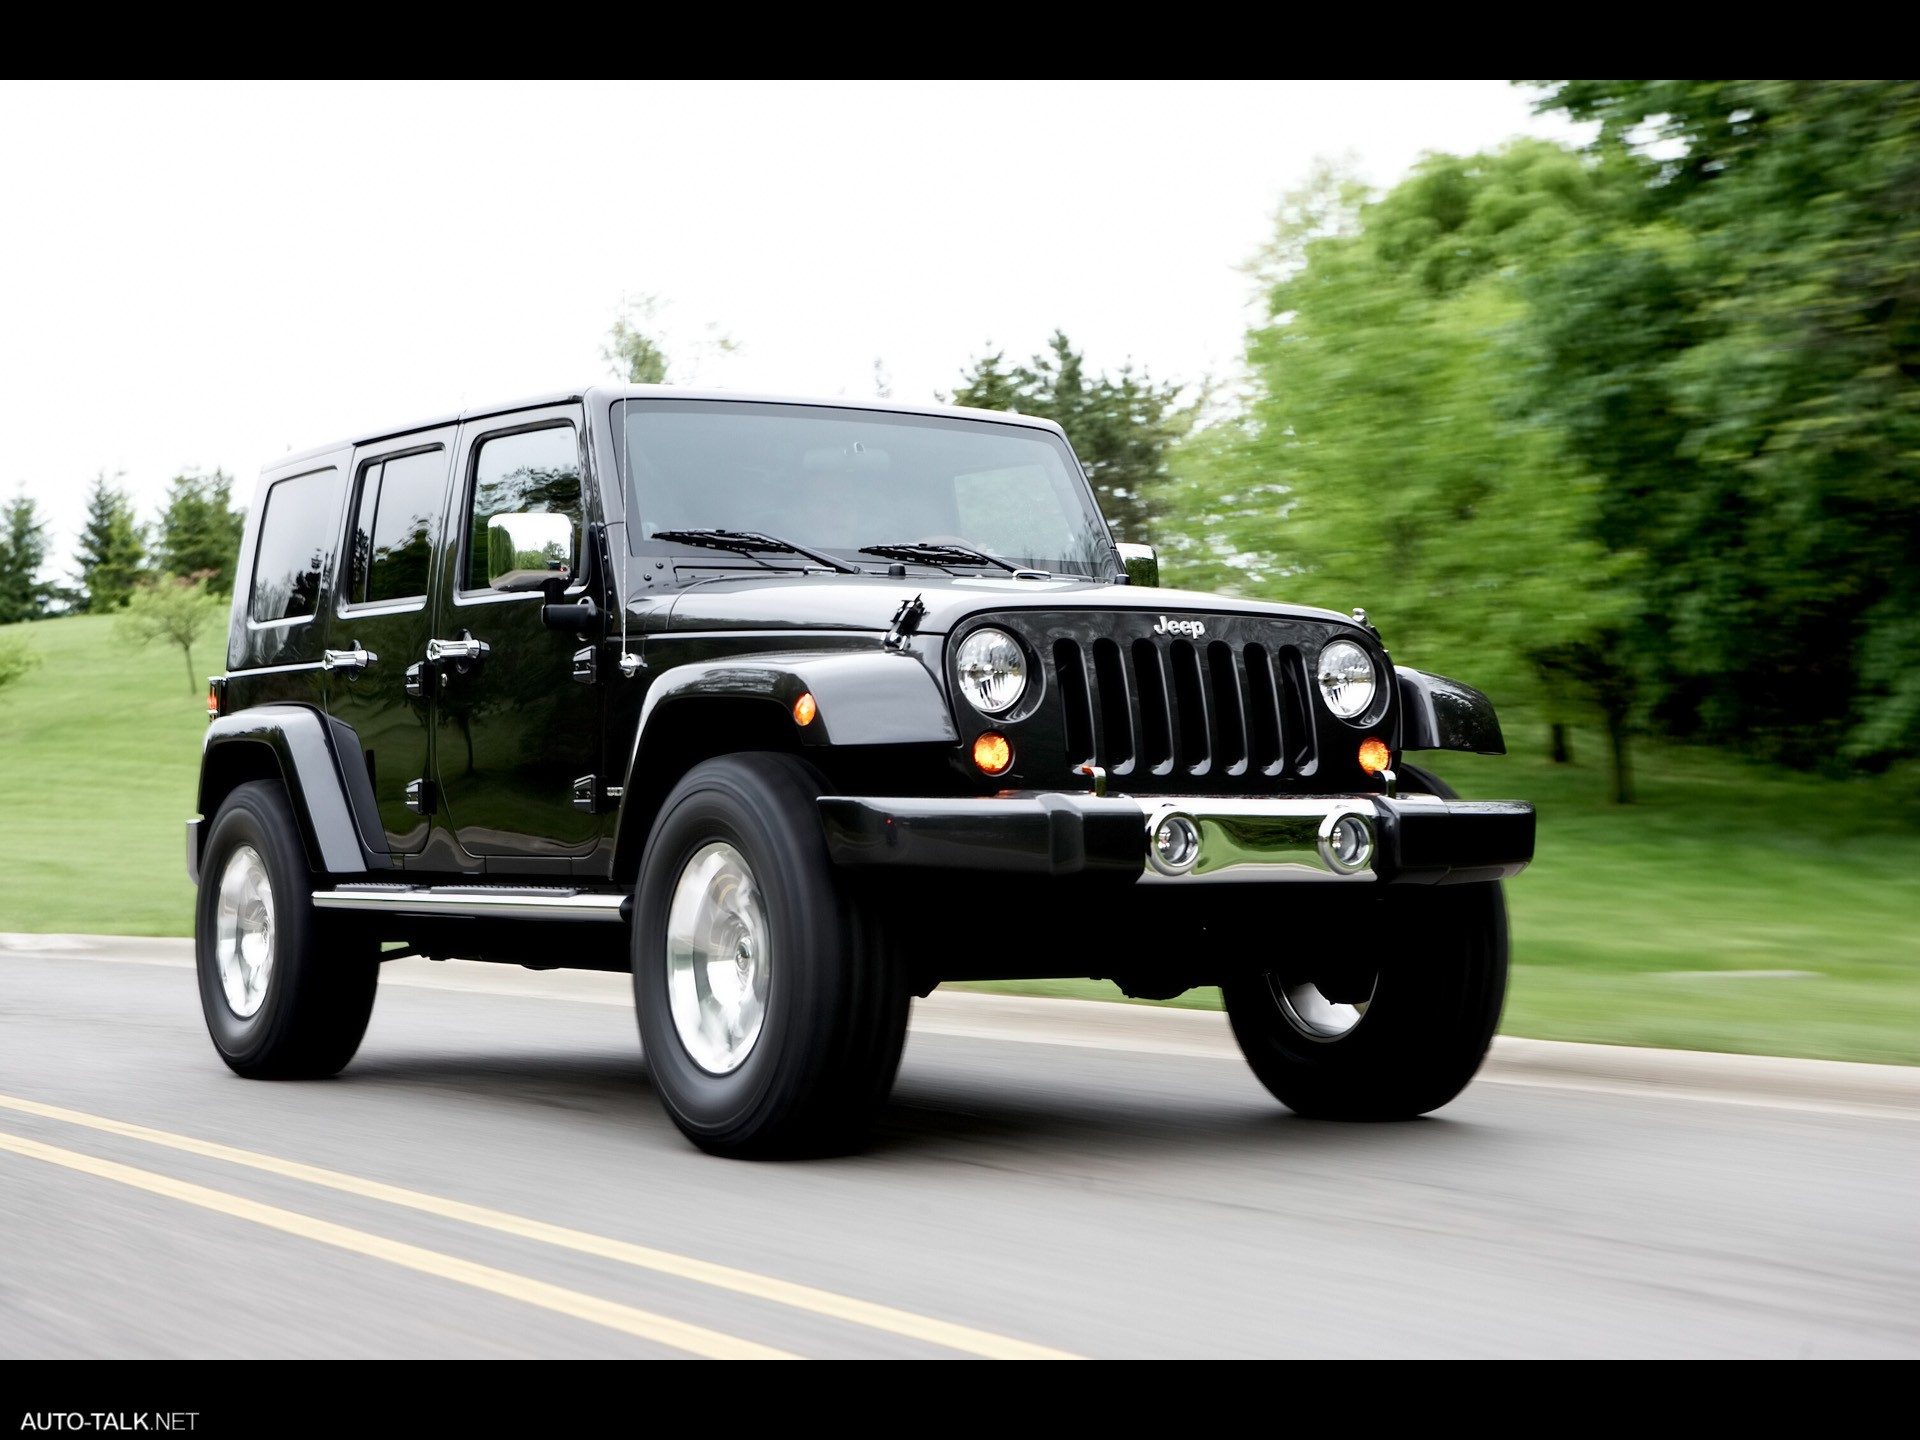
pixel 465 648
pixel 354 660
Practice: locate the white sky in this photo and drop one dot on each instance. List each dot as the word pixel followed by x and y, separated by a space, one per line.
pixel 210 275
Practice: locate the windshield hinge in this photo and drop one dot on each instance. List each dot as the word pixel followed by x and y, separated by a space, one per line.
pixel 905 621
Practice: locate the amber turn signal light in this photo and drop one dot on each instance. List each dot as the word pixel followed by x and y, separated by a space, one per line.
pixel 993 753
pixel 1374 755
pixel 804 709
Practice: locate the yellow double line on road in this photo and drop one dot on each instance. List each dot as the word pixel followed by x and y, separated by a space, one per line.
pixel 692 1339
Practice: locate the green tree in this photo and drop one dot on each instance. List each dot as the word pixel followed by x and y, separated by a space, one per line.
pixel 631 349
pixel 1389 455
pixel 16 659
pixel 200 530
pixel 112 552
pixel 637 346
pixel 24 595
pixel 175 609
pixel 1738 361
pixel 1123 426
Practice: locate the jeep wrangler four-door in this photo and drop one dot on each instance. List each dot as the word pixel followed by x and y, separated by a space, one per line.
pixel 795 710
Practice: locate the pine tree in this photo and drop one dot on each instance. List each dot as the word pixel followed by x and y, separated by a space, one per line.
pixel 1121 428
pixel 200 530
pixel 23 550
pixel 113 548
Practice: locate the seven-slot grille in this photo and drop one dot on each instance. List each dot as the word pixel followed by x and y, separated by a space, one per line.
pixel 1172 707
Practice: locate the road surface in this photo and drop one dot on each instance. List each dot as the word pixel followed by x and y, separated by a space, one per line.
pixel 493 1176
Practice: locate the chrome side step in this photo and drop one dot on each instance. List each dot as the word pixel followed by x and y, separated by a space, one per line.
pixel 497 902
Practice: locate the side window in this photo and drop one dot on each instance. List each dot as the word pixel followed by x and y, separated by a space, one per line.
pixel 525 517
pixel 290 557
pixel 393 534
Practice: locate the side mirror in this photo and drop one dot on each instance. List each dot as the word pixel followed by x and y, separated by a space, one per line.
pixel 529 551
pixel 1142 562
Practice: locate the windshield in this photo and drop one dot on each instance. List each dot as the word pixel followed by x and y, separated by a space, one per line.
pixel 841 480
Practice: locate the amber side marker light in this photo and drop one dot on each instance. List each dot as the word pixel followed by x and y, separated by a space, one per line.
pixel 1374 755
pixel 804 709
pixel 993 753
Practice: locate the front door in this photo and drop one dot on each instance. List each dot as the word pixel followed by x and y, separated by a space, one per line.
pixel 516 732
pixel 381 623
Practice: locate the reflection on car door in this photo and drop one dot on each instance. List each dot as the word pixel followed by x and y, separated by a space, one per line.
pixel 380 624
pixel 515 731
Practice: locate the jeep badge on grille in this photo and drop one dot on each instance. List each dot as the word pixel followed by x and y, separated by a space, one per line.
pixel 1192 628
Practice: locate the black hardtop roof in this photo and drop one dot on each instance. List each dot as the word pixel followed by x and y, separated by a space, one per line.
pixel 606 393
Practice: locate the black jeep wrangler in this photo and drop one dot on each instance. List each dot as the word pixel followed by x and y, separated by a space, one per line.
pixel 796 710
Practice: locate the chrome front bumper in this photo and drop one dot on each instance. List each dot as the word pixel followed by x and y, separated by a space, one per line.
pixel 1410 839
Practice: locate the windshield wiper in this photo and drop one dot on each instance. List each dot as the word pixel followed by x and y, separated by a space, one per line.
pixel 747 542
pixel 944 554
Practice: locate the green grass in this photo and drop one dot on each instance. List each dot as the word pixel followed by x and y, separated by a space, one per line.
pixel 1723 866
pixel 99 759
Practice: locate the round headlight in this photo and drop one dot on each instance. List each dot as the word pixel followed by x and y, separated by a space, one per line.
pixel 1346 679
pixel 992 669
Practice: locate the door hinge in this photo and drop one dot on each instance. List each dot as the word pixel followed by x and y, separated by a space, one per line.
pixel 417 679
pixel 421 797
pixel 586 665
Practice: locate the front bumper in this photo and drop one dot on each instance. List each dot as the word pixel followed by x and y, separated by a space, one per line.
pixel 1415 839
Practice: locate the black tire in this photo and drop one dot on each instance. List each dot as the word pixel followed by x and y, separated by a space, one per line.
pixel 1435 1004
pixel 835 1016
pixel 320 986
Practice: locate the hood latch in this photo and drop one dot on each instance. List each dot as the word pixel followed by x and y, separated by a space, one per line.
pixel 906 620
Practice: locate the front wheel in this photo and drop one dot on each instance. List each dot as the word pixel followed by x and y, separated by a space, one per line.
pixel 1343 1040
pixel 770 1015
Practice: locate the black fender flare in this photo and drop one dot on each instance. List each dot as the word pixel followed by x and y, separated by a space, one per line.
pixel 1442 714
pixel 334 803
pixel 871 697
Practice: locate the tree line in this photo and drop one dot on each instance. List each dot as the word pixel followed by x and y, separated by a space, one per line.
pixel 195 536
pixel 164 582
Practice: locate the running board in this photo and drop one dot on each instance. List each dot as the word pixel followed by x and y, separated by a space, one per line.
pixel 480 902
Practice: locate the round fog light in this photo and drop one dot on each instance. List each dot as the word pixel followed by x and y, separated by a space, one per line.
pixel 993 753
pixel 1175 845
pixel 1346 843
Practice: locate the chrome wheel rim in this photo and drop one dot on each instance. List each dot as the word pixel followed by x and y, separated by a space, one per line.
pixel 243 932
pixel 719 960
pixel 1311 1013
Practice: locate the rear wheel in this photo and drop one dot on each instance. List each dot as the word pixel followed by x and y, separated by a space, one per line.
pixel 1341 1037
pixel 283 997
pixel 771 1017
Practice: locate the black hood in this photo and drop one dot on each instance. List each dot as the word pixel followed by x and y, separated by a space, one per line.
pixel 868 602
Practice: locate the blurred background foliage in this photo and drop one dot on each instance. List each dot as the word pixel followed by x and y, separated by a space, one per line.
pixel 1626 432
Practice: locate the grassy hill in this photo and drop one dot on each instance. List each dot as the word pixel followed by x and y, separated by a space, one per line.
pixel 1735 908
pixel 99 758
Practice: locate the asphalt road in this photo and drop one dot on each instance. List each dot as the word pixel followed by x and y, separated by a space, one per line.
pixel 494 1177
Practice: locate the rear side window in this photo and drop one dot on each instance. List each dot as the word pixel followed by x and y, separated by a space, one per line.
pixel 290 557
pixel 516 478
pixel 396 525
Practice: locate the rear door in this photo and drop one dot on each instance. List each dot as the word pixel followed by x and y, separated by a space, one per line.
pixel 517 736
pixel 382 622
